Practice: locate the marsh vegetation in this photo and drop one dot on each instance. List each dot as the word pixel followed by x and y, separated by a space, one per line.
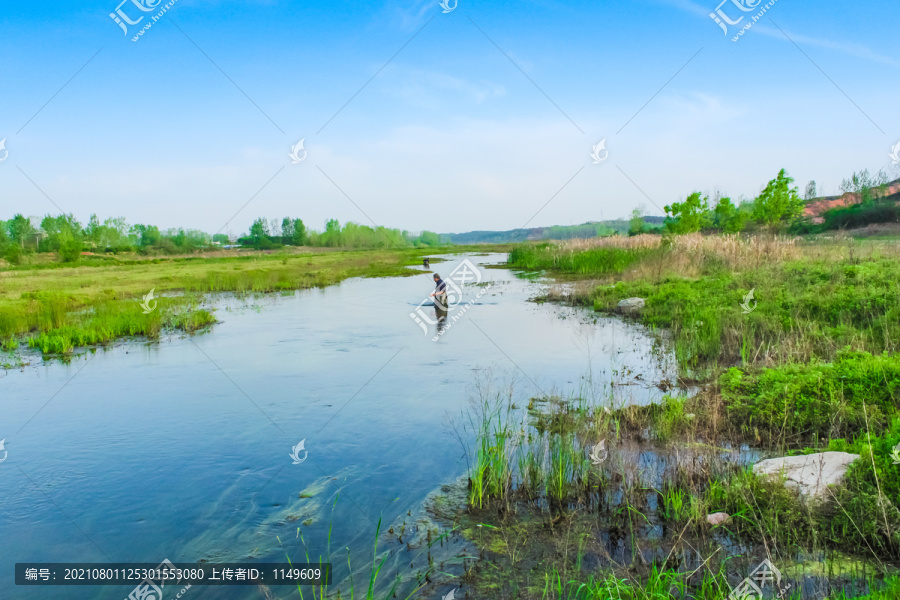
pixel 572 496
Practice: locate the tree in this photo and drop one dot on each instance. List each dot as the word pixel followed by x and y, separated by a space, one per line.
pixel 58 231
pixel 429 238
pixel 728 217
pixel 636 225
pixel 299 235
pixel 147 235
pixel 688 216
pixel 259 229
pixel 275 228
pixel 332 234
pixel 92 232
pixel 778 201
pixel 862 184
pixel 810 192
pixel 221 238
pixel 20 229
pixel 287 229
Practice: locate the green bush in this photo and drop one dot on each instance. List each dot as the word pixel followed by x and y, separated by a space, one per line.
pixel 815 401
pixel 13 254
pixel 70 251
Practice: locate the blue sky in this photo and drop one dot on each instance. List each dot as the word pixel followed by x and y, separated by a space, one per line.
pixel 185 126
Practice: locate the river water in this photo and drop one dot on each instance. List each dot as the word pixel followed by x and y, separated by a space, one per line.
pixel 181 449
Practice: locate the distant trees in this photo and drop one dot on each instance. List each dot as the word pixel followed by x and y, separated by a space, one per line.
pixel 778 202
pixel 294 232
pixel 146 235
pixel 20 229
pixel 864 185
pixel 810 191
pixel 689 216
pixel 259 229
pixel 287 228
pixel 636 225
pixel 727 217
pixel 298 232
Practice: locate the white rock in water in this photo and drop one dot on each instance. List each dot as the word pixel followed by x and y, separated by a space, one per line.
pixel 810 474
pixel 630 306
pixel 718 518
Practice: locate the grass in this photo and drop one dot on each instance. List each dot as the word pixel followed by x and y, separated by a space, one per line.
pixel 804 403
pixel 552 507
pixel 813 366
pixel 594 261
pixel 57 309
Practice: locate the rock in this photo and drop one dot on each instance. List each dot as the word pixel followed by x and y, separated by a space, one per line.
pixel 630 306
pixel 718 518
pixel 811 474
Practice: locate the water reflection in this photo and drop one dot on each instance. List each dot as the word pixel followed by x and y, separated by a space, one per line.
pixel 180 449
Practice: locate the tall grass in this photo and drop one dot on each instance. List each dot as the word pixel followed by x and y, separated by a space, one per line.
pixel 594 261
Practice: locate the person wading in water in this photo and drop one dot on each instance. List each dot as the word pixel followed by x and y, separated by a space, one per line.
pixel 440 297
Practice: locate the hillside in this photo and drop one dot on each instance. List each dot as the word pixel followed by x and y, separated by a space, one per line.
pixel 556 232
pixel 817 207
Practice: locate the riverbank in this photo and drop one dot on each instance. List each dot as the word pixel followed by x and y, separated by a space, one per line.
pixel 576 498
pixel 56 307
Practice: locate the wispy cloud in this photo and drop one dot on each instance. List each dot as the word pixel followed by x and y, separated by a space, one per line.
pixel 849 48
pixel 427 88
pixel 857 50
pixel 688 6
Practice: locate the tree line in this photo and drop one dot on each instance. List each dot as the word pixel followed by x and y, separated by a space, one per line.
pixel 292 232
pixel 780 206
pixel 66 236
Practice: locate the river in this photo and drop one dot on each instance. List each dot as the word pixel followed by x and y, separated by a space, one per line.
pixel 181 448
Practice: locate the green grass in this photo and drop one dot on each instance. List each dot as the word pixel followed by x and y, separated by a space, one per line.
pixel 598 261
pixel 57 309
pixel 668 584
pixel 803 310
pixel 816 401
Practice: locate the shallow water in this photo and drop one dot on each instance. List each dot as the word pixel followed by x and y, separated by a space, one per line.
pixel 181 449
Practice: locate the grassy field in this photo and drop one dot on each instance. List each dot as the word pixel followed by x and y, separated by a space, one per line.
pixel 57 308
pixel 808 363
